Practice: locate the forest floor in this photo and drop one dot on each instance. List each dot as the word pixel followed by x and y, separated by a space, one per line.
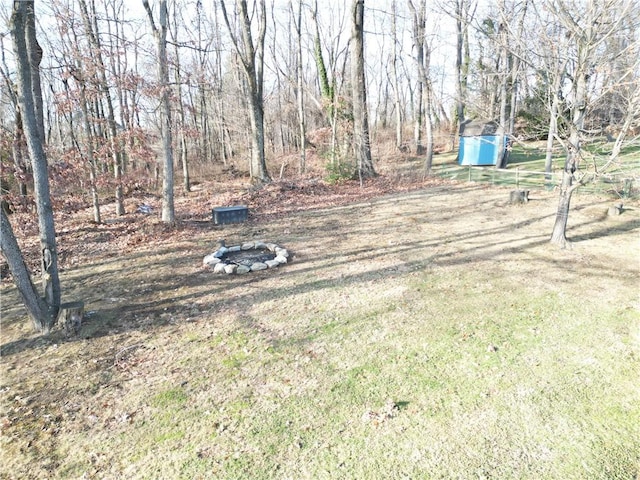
pixel 422 329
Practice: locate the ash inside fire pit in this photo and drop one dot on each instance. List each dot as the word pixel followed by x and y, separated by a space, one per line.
pixel 245 258
pixel 248 257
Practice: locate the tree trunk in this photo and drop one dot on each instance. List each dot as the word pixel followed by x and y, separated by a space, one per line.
pixel 117 43
pixel 395 78
pixel 362 147
pixel 326 87
pixel 27 69
pixel 515 71
pixel 462 58
pixel 423 63
pixel 18 146
pixel 559 73
pixel 35 57
pixel 504 72
pixel 252 60
pixel 90 157
pixel 18 142
pixel 160 34
pixel 417 125
pixel 300 87
pixel 567 187
pixel 558 235
pixel 256 118
pixel 553 129
pixel 428 117
pixel 37 308
pixel 418 43
pixel 168 211
pixel 513 102
pixel 459 39
pixel 186 181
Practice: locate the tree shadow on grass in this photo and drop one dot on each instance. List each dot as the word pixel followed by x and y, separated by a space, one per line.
pixel 145 301
pixel 609 230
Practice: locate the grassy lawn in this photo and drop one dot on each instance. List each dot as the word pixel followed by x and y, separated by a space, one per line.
pixel 432 334
pixel 527 165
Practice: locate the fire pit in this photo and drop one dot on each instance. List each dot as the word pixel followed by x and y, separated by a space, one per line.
pixel 245 258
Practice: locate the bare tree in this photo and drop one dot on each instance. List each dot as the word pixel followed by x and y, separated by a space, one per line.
pixel 252 61
pixel 331 74
pixel 423 59
pixel 327 86
pixel 516 53
pixel 101 76
pixel 81 89
pixel 507 40
pixel 37 308
pixel 28 55
pixel 556 66
pixel 463 14
pixel 503 72
pixel 160 35
pixel 35 57
pixel 90 157
pixel 589 26
pixel 18 143
pixel 300 84
pixel 201 109
pixel 395 76
pixel 182 139
pixel 361 143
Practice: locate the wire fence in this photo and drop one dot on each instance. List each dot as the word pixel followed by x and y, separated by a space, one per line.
pixel 623 185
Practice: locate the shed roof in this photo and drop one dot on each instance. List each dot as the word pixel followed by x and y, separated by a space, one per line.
pixel 478 128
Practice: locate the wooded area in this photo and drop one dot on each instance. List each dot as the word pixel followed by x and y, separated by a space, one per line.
pixel 112 94
pixel 253 241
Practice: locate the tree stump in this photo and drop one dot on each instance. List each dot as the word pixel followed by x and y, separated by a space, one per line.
pixel 627 189
pixel 615 210
pixel 70 317
pixel 519 196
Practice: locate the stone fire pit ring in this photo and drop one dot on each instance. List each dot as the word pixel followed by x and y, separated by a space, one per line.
pixel 245 258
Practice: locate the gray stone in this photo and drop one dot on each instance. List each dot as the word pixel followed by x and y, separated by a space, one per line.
pixel 280 259
pixel 217 262
pixel 210 260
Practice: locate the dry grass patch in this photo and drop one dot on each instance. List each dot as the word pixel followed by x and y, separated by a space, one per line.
pixel 427 334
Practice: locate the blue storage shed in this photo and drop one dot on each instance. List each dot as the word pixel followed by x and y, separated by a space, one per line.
pixel 480 143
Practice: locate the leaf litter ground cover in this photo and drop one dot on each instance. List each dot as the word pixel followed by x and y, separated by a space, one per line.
pixel 423 330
